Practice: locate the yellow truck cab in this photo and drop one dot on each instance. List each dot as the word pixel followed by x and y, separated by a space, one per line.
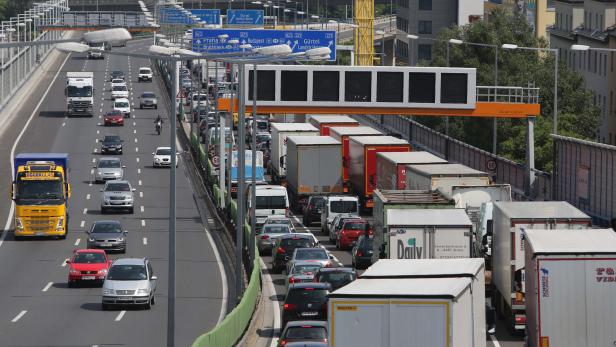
pixel 41 192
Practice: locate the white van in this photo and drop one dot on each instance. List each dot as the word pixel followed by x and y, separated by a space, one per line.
pixel 272 200
pixel 335 205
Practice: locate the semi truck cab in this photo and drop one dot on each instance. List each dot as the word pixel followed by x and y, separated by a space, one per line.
pixel 80 93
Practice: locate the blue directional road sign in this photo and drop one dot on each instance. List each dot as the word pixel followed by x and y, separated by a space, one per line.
pixel 207 40
pixel 210 16
pixel 174 16
pixel 245 17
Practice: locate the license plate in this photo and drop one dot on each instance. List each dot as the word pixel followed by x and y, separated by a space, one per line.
pixel 125 298
pixel 309 314
pixel 86 278
pixel 105 244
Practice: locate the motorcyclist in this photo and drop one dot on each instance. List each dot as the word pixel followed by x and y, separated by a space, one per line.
pixel 159 123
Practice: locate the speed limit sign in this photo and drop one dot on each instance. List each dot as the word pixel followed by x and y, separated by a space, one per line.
pixel 491 165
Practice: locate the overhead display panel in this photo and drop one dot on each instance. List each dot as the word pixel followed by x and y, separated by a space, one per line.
pixel 364 86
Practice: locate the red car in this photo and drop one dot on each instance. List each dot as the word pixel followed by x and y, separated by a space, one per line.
pixel 88 265
pixel 114 118
pixel 351 229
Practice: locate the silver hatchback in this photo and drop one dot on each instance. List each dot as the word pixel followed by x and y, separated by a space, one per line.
pixel 148 99
pixel 130 281
pixel 266 237
pixel 108 168
pixel 117 195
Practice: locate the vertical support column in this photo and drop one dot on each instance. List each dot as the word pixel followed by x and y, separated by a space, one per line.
pixel 230 121
pixel 530 155
pixel 241 175
pixel 171 281
pixel 253 195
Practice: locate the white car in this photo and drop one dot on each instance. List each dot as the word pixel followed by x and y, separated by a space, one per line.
pixel 117 82
pixel 199 100
pixel 145 74
pixel 119 91
pixel 162 157
pixel 122 105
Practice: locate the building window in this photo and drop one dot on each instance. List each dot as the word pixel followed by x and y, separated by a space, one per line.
pixel 425 27
pixel 425 5
pixel 424 52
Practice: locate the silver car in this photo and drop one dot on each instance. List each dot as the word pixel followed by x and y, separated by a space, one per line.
pixel 266 237
pixel 278 219
pixel 130 281
pixel 302 271
pixel 108 235
pixel 148 99
pixel 117 195
pixel 108 168
pixel 310 254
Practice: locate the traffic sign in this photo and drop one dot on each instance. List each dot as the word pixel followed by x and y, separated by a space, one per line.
pixel 174 16
pixel 209 16
pixel 245 17
pixel 210 41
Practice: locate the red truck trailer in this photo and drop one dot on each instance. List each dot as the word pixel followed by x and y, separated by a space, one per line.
pixel 342 134
pixel 324 122
pixel 362 163
pixel 391 167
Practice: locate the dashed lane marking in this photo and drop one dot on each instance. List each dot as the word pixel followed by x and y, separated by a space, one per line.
pixel 88 197
pixel 85 210
pixel 77 242
pixel 145 240
pixel 64 263
pixel 18 317
pixel 141 194
pixel 82 224
pixel 47 286
pixel 119 316
pixel 141 208
pixel 143 222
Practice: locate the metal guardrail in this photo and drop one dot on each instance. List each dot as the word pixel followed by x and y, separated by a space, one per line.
pixel 517 95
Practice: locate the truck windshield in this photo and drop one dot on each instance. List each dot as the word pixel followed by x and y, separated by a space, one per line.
pixel 83 92
pixel 39 190
pixel 271 202
pixel 343 206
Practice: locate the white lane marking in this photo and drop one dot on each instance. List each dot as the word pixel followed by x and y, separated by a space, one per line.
pixel 145 240
pixel 96 140
pixel 46 288
pixel 140 180
pixel 64 262
pixel 88 196
pixel 134 131
pixel 137 159
pixel 120 315
pixel 82 224
pixel 18 317
pixel 138 171
pixel 143 222
pixel 136 149
pixel 9 217
pixel 91 171
pixel 136 142
pixel 494 341
pixel 77 242
pixel 94 160
pixel 95 150
pixel 142 208
pixel 135 123
pixel 90 184
pixel 63 123
pixel 141 194
pixel 85 210
pixel 98 131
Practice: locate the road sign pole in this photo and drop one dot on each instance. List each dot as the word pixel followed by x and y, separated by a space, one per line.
pixel 253 195
pixel 241 184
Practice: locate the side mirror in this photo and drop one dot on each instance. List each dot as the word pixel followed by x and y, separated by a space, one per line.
pixel 331 256
pixel 94 166
pixel 153 278
pixel 125 231
pixel 153 153
pixel 68 261
pixel 134 189
pixel 123 166
pixel 101 190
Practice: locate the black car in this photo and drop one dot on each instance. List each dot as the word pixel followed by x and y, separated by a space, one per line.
pixel 111 144
pixel 337 277
pixel 284 247
pixel 305 301
pixel 361 254
pixel 117 74
pixel 303 331
pixel 312 211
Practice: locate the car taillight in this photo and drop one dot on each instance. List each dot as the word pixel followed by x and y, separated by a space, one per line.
pixel 280 250
pixel 282 342
pixel 264 237
pixel 289 307
pixel 360 253
pixel 520 320
pixel 292 280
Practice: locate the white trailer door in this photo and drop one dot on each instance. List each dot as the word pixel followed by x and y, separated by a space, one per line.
pixel 417 324
pixel 408 243
pixel 360 324
pixel 448 243
pixel 600 315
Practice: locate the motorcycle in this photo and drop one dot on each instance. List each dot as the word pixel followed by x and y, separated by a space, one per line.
pixel 159 127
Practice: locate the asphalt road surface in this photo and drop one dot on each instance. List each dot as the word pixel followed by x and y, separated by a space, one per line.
pixel 38 309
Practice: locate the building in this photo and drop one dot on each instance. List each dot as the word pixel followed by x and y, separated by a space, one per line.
pixel 591 23
pixel 426 18
pixel 540 14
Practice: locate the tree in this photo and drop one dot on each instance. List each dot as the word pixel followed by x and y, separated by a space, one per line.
pixel 577 115
pixel 11 8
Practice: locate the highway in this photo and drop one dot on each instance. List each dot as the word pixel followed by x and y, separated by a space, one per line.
pixel 38 309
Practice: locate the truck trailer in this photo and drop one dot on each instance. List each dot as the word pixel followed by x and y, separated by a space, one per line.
pixel 259 171
pixel 80 93
pixel 313 168
pixel 443 177
pixel 391 167
pixel 342 133
pixel 428 234
pixel 278 147
pixel 508 221
pixel 471 268
pixel 385 200
pixel 41 191
pixel 570 286
pixel 362 163
pixel 410 312
pixel 324 122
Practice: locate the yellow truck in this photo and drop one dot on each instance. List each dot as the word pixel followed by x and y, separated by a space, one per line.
pixel 41 192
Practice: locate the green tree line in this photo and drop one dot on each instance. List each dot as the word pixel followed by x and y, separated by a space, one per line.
pixel 11 8
pixel 577 115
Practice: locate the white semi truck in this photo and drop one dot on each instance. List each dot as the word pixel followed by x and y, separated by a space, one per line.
pixel 80 93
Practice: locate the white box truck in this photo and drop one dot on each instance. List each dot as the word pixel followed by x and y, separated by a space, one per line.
pixel 313 167
pixel 471 268
pixel 508 220
pixel 443 177
pixel 428 233
pixel 570 288
pixel 409 312
pixel 280 131
pixel 80 93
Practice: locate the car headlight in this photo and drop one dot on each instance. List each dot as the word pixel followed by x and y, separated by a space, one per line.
pixel 103 272
pixel 143 291
pixel 60 224
pixel 18 223
pixel 108 291
pixel 99 172
pixel 91 239
pixel 74 272
pixel 120 239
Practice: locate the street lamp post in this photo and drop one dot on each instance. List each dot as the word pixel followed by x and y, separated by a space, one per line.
pixel 556 58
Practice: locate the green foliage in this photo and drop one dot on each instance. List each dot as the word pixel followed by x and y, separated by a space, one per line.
pixel 11 8
pixel 577 116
